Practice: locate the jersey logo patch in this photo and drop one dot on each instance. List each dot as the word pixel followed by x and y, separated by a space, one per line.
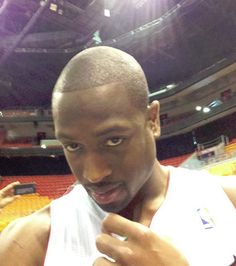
pixel 206 219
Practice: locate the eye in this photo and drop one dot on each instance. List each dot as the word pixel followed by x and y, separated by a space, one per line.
pixel 72 147
pixel 114 141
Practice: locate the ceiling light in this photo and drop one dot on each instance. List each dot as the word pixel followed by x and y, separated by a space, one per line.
pixel 53 7
pixel 206 110
pixel 96 37
pixel 42 3
pixel 139 3
pixel 215 103
pixel 157 92
pixel 107 12
pixel 171 86
pixel 198 108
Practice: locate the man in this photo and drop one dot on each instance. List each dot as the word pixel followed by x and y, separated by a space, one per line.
pixel 7 194
pixel 128 209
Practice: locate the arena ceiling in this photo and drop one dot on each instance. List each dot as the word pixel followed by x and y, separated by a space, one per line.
pixel 174 40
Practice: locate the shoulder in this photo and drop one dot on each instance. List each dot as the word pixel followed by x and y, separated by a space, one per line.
pixel 27 235
pixel 189 177
pixel 208 181
pixel 228 183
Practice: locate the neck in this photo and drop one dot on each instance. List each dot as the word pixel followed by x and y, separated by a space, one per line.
pixel 146 203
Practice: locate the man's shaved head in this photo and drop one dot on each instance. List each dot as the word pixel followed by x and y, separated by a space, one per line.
pixel 103 65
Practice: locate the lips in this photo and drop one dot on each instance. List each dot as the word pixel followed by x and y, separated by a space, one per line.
pixel 107 194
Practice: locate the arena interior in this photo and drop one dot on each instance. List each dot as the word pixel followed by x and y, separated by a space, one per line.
pixel 186 48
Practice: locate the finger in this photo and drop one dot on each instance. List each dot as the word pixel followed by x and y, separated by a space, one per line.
pixel 9 187
pixel 14 183
pixel 13 198
pixel 101 261
pixel 5 200
pixel 112 246
pixel 116 224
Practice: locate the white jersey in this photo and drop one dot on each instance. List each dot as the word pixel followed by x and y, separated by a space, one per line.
pixel 196 216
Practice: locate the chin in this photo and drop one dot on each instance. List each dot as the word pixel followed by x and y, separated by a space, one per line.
pixel 111 208
pixel 115 207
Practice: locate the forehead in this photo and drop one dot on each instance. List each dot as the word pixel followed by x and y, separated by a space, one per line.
pixel 109 102
pixel 101 99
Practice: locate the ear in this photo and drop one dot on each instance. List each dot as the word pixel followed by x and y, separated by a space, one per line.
pixel 153 118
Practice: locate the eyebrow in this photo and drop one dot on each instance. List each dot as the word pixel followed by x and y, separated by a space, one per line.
pixel 99 133
pixel 62 137
pixel 114 129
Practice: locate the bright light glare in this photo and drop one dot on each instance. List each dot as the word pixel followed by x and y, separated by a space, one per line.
pixel 157 92
pixel 215 103
pixel 198 108
pixel 171 86
pixel 206 110
pixel 107 12
pixel 53 7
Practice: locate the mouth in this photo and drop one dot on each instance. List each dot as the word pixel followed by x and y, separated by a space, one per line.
pixel 106 194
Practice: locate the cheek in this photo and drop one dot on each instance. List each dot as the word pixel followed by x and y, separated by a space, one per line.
pixel 140 160
pixel 151 149
pixel 71 160
pixel 147 154
pixel 150 145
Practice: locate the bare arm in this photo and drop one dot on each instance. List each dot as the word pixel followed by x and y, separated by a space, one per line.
pixel 24 241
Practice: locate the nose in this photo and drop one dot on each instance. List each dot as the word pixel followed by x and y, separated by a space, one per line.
pixel 96 168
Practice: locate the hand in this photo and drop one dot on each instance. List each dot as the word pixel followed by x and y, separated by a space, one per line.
pixel 7 194
pixel 142 247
